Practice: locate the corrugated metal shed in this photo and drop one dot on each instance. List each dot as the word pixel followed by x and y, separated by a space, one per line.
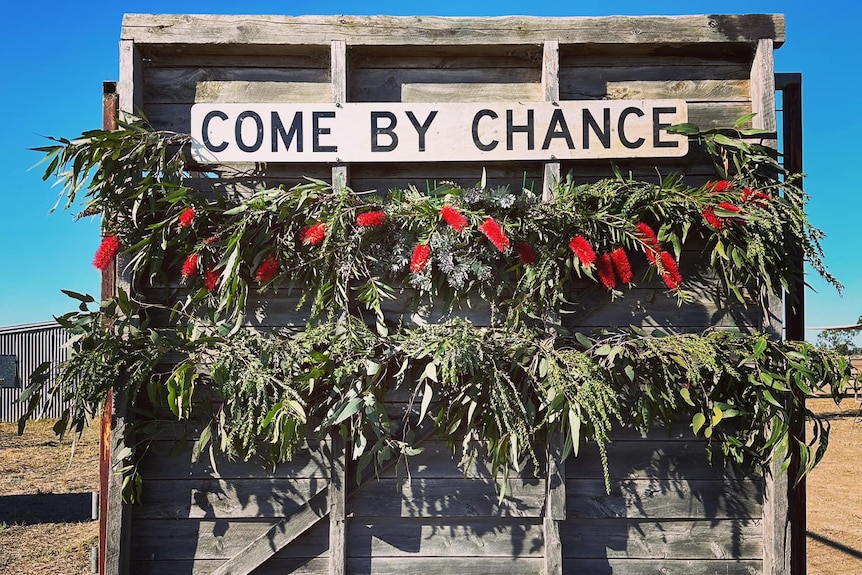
pixel 22 349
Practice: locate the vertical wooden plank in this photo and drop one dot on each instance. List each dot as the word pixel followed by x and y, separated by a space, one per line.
pixel 337 507
pixel 555 505
pixel 551 90
pixel 338 64
pixel 338 467
pixel 555 481
pixel 777 546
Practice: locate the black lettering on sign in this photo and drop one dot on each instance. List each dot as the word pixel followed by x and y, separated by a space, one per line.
pixel 389 130
pixel 557 128
pixel 621 128
pixel 258 124
pixel 658 126
pixel 603 133
pixel 317 130
pixel 287 136
pixel 476 141
pixel 421 129
pixel 206 128
pixel 511 128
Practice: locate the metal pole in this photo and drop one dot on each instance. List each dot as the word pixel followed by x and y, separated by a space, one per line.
pixel 794 311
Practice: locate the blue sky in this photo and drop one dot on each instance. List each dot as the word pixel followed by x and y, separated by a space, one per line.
pixel 57 54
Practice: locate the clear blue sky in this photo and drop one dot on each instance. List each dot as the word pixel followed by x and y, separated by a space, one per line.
pixel 57 54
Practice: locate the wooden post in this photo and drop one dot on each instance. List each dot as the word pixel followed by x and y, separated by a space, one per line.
pixel 338 70
pixel 551 90
pixel 777 547
pixel 338 461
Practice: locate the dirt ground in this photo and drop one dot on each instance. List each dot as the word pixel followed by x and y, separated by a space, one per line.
pixel 37 463
pixel 835 494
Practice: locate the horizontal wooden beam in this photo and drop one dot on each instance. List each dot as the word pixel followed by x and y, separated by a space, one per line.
pixel 224 30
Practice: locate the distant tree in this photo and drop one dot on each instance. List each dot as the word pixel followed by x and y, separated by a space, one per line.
pixel 842 340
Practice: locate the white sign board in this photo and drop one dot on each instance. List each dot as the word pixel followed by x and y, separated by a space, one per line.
pixel 444 132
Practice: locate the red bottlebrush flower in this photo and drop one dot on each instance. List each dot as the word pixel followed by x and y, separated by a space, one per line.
pixel 454 218
pixel 187 217
pixel 494 232
pixel 190 266
pixel 583 250
pixel 371 219
pixel 719 186
pixel 211 240
pixel 670 271
pixel 313 234
pixel 267 269
pixel 421 253
pixel 211 280
pixel 526 253
pixel 759 199
pixel 647 236
pixel 622 265
pixel 713 220
pixel 728 207
pixel 605 268
pixel 105 253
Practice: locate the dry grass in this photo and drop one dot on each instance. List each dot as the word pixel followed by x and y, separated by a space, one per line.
pixel 835 495
pixel 37 463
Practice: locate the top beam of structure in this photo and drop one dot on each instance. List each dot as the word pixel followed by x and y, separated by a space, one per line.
pixel 433 30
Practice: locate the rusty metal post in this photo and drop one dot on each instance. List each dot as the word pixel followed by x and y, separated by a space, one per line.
pixel 110 112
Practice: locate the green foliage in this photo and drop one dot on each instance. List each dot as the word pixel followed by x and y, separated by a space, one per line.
pixel 843 341
pixel 497 391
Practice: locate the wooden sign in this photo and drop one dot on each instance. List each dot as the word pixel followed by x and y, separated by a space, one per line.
pixel 437 132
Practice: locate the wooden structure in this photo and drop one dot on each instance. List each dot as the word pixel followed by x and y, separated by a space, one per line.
pixel 669 511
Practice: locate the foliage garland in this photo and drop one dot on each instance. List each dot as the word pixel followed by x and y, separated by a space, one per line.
pixel 501 388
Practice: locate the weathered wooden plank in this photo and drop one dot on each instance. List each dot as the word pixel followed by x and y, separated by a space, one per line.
pixel 555 503
pixel 662 80
pixel 222 499
pixel 550 93
pixel 448 564
pixel 690 90
pixel 414 538
pixel 622 538
pixel 419 30
pixel 173 460
pixel 649 459
pixel 262 548
pixel 653 307
pixel 437 460
pixel 664 499
pixel 183 85
pixel 171 540
pixel 662 567
pixel 440 57
pixel 337 504
pixel 377 85
pixel 470 92
pixel 447 498
pixel 274 566
pixel 297 56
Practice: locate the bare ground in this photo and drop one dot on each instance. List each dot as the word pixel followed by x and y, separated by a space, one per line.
pixel 835 494
pixel 37 462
